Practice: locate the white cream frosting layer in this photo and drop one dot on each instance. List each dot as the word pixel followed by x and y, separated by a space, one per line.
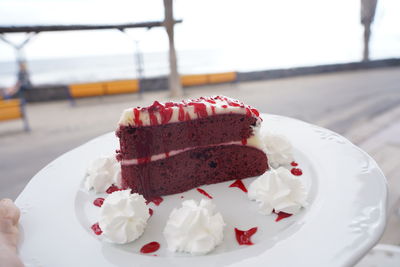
pixel 221 106
pixel 194 228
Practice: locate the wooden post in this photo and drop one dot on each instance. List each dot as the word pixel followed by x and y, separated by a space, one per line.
pixel 368 8
pixel 174 79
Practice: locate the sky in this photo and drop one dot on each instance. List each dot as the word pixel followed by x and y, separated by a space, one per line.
pixel 278 32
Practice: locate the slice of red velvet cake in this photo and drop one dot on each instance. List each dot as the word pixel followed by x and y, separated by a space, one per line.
pixel 173 147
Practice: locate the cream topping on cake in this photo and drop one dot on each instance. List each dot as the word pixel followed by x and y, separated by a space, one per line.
pixel 278 190
pixel 170 112
pixel 123 217
pixel 102 173
pixel 194 228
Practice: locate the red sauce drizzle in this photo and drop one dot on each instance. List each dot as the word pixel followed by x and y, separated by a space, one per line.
pixel 153 118
pixel 213 110
pixel 296 171
pixel 224 106
pixel 200 109
pixel 248 112
pixel 137 119
pixel 181 115
pixel 98 202
pixel 150 247
pixel 255 111
pixel 156 200
pixel 201 191
pixel 96 229
pixel 244 237
pixel 294 164
pixel 151 211
pixel 112 189
pixel 244 141
pixel 187 116
pixel 282 215
pixel 239 184
pixel 166 115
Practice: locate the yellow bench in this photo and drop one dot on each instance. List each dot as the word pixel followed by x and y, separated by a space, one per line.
pixel 86 90
pixel 121 87
pixel 13 109
pixel 196 79
pixel 222 77
pixel 212 78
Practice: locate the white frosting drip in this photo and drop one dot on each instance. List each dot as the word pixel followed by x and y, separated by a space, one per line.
pixel 278 149
pixel 194 228
pixel 102 173
pixel 278 190
pixel 123 217
pixel 221 106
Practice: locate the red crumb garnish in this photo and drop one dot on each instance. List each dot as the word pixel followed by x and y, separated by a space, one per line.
pixel 98 202
pixel 112 189
pixel 244 237
pixel 150 247
pixel 281 215
pixel 296 171
pixel 156 200
pixel 96 229
pixel 239 184
pixel 202 191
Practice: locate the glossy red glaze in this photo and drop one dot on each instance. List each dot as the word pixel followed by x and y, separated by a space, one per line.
pixel 150 247
pixel 96 229
pixel 157 201
pixel 294 164
pixel 98 202
pixel 296 171
pixel 239 184
pixel 282 215
pixel 202 191
pixel 112 189
pixel 244 237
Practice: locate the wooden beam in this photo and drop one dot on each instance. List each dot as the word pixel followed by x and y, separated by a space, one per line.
pixel 52 28
pixel 175 86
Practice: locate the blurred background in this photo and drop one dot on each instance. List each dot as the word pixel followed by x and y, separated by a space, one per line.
pixel 331 63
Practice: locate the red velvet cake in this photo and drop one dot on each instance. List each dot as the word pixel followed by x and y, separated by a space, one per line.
pixel 172 147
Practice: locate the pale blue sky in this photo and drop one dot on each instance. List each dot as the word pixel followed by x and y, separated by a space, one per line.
pixel 285 31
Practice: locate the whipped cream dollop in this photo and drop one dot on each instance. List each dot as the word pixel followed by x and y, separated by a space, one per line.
pixel 278 190
pixel 123 217
pixel 194 228
pixel 278 149
pixel 102 173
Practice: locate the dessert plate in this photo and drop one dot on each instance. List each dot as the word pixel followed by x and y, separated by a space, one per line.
pixel 345 217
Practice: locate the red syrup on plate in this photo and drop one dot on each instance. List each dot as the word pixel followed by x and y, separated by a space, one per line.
pixel 151 211
pixel 150 247
pixel 202 191
pixel 294 164
pixel 98 202
pixel 96 229
pixel 296 171
pixel 281 215
pixel 156 200
pixel 112 189
pixel 244 237
pixel 239 184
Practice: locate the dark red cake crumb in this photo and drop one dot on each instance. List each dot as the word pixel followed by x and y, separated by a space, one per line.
pixel 151 211
pixel 156 200
pixel 244 237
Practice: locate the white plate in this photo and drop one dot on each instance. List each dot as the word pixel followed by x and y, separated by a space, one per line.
pixel 345 218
